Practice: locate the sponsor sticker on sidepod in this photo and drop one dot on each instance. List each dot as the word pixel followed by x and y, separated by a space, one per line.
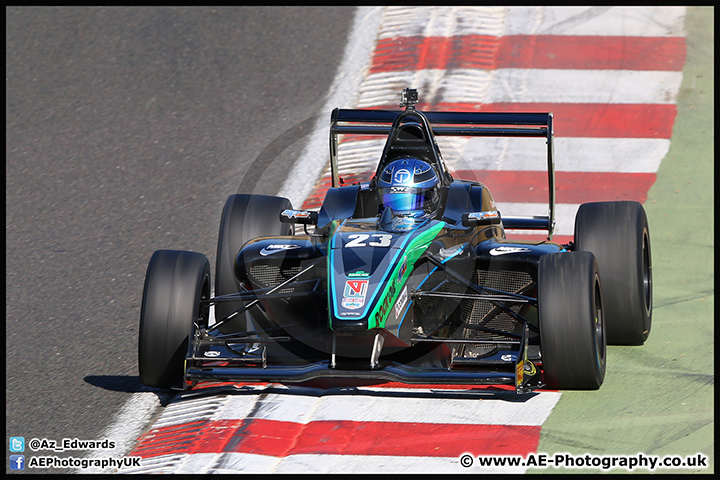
pixel 270 249
pixel 505 250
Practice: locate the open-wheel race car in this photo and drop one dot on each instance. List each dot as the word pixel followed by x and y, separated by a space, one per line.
pixel 407 278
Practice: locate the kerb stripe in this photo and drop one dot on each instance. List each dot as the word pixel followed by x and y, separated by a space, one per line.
pixel 596 120
pixel 529 51
pixel 570 187
pixel 280 439
pixel 591 52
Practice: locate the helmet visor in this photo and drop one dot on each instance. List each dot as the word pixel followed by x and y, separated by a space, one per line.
pixel 403 201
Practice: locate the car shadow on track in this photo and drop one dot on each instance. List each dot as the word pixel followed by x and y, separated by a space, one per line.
pixel 129 384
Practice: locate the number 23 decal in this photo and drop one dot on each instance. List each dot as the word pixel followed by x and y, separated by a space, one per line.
pixel 358 240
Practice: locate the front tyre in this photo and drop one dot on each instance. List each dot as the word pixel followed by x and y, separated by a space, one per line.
pixel 617 233
pixel 570 317
pixel 175 284
pixel 244 217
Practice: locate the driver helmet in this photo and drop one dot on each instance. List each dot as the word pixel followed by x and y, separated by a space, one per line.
pixel 410 186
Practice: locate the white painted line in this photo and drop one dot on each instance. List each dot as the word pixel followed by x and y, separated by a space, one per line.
pixel 247 463
pixel 273 406
pixel 583 86
pixel 382 407
pixel 381 465
pixel 355 62
pixel 200 463
pixel 182 410
pixel 442 22
pixel 572 154
pixel 624 21
pixel 520 85
pixel 127 426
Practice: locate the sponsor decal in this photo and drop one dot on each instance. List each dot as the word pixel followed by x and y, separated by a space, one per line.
pixel 508 358
pixel 385 307
pixel 483 215
pixel 402 175
pixel 270 249
pixel 401 302
pixel 356 288
pixel 359 273
pixel 352 303
pixel 212 353
pixel 523 369
pixel 401 272
pixel 296 213
pixel 506 250
pixel 354 294
pixel 520 371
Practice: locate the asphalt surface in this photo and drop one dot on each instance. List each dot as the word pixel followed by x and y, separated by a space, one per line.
pixel 127 128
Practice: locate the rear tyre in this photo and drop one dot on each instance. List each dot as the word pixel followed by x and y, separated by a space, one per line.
pixel 244 217
pixel 617 233
pixel 570 317
pixel 175 284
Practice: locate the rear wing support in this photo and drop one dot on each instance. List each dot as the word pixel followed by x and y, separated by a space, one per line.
pixel 478 124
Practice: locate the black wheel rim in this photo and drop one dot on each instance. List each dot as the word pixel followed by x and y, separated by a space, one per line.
pixel 647 274
pixel 599 329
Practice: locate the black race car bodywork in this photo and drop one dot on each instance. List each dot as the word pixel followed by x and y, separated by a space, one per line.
pixel 357 293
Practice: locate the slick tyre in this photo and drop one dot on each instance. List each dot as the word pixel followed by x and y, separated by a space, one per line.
pixel 617 233
pixel 244 217
pixel 570 317
pixel 175 284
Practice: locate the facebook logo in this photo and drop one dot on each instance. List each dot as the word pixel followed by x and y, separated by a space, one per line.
pixel 17 462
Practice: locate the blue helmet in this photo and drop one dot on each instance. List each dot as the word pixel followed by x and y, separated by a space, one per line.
pixel 409 186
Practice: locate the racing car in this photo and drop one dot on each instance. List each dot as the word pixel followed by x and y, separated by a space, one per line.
pixel 408 277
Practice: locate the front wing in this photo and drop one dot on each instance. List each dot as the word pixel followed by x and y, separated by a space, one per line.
pixel 506 367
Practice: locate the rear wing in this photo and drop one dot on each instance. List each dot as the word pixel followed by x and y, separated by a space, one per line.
pixel 482 124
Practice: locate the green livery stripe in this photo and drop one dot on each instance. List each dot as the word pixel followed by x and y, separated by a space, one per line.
pixel 414 249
